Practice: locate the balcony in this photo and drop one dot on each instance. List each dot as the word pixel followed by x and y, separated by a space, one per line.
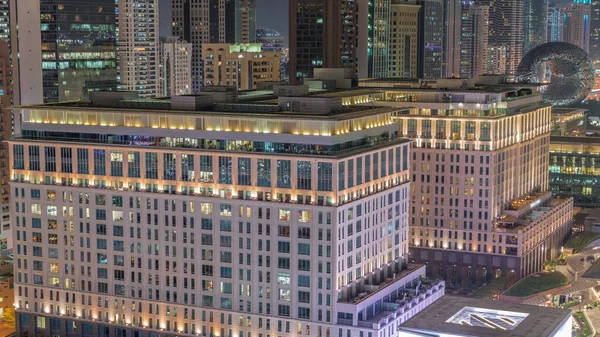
pixel 400 308
pixel 417 297
pixel 381 303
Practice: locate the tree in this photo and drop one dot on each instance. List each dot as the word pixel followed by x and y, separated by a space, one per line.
pixel 9 317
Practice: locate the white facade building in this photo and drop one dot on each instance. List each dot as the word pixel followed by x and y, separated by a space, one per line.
pixel 479 198
pixel 138 46
pixel 247 220
pixel 175 67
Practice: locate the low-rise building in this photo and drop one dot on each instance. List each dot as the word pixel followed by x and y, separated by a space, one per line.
pixel 468 317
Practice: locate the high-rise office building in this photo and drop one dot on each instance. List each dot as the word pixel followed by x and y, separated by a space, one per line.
pixel 431 28
pixel 315 32
pixel 480 178
pixel 138 46
pixel 506 29
pixel 199 22
pixel 5 20
pixel 372 28
pixel 575 25
pixel 240 21
pixel 451 40
pixel 535 24
pixel 331 34
pixel 595 30
pixel 496 60
pixel 554 24
pixel 24 35
pixel 6 128
pixel 175 67
pixel 240 65
pixel 403 42
pixel 474 27
pixel 75 53
pixel 169 225
pixel 349 14
pixel 270 39
pixel 570 174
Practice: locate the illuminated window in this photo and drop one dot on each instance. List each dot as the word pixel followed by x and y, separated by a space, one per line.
pixel 52 224
pixel 51 210
pixel 285 294
pixel 51 195
pixel 304 216
pixel 284 214
pixel 206 208
pixel 54 282
pixel 225 209
pixel 53 239
pixel 36 208
pixel 283 278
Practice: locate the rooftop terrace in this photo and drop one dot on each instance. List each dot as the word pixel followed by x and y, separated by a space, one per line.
pixel 460 316
pixel 526 211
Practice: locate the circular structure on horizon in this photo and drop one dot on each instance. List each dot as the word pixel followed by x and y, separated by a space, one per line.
pixel 571 71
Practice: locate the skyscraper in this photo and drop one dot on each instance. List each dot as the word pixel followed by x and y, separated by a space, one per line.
pixel 199 22
pixel 595 30
pixel 474 28
pixel 138 46
pixel 554 24
pixel 6 127
pixel 431 29
pixel 575 24
pixel 372 28
pixel 403 42
pixel 5 20
pixel 506 29
pixel 451 40
pixel 349 15
pixel 496 60
pixel 315 32
pixel 240 21
pixel 535 24
pixel 175 67
pixel 270 39
pixel 62 51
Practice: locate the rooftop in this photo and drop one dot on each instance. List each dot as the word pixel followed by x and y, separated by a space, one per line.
pixel 376 288
pixel 574 140
pixel 474 317
pixel 326 106
pixel 526 211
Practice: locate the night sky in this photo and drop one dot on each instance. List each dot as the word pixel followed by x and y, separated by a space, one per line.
pixel 270 14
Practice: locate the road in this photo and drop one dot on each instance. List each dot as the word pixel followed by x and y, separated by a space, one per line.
pixel 573 270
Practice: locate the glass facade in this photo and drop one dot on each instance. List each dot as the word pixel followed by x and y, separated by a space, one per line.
pixel 78 48
pixel 577 175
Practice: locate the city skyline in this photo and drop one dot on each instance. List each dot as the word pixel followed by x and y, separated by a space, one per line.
pixel 269 14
